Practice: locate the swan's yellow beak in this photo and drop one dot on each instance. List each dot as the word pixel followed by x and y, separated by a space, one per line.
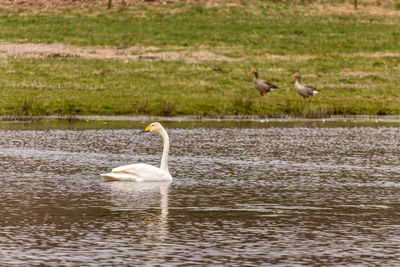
pixel 148 128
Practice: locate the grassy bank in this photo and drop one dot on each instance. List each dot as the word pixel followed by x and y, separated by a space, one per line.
pixel 352 57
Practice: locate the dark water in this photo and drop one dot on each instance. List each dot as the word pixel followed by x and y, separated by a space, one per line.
pixel 244 194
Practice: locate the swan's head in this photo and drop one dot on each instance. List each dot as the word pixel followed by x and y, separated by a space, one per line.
pixel 154 127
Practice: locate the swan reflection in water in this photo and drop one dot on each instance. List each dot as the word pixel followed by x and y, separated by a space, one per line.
pixel 143 197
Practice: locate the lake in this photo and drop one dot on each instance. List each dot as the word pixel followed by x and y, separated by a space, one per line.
pixel 245 193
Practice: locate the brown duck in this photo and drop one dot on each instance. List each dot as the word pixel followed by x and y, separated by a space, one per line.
pixel 262 85
pixel 303 89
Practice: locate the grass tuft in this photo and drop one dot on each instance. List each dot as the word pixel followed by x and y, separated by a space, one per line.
pixel 242 105
pixel 166 108
pixel 30 106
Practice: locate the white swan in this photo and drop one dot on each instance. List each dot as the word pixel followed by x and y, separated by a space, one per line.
pixel 141 172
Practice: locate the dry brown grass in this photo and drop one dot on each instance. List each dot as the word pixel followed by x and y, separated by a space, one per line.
pixel 96 52
pixel 361 74
pixel 345 85
pixel 371 55
pixel 152 53
pixel 68 4
pixel 135 53
pixel 370 7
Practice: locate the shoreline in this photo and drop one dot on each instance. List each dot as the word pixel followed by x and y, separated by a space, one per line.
pixel 227 118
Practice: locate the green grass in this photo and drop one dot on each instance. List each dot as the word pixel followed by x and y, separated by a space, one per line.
pixel 275 28
pixel 350 83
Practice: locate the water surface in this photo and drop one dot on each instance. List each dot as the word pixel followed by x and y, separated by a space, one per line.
pixel 244 194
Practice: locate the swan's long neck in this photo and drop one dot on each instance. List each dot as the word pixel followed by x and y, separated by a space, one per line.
pixel 164 159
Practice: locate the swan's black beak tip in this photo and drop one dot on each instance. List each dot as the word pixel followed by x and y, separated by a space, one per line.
pixel 142 131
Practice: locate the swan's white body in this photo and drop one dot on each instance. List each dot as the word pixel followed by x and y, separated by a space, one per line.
pixel 141 172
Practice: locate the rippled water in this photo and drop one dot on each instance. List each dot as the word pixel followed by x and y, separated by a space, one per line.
pixel 244 194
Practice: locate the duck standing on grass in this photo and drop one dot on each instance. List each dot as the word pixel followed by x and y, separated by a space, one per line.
pixel 262 85
pixel 303 89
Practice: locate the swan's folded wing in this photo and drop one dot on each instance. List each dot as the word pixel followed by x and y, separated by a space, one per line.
pixel 121 177
pixel 125 168
pixel 137 168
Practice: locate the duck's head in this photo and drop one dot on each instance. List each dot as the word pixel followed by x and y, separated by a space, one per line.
pixel 253 71
pixel 154 127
